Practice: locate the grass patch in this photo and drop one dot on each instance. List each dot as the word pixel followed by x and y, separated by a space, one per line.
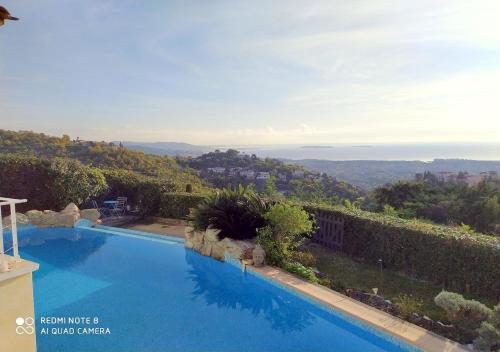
pixel 346 272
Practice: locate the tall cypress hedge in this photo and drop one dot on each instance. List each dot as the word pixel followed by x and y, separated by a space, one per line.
pixel 444 255
pixel 141 190
pixel 48 184
pixel 178 205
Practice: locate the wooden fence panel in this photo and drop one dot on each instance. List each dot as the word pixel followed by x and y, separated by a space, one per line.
pixel 330 232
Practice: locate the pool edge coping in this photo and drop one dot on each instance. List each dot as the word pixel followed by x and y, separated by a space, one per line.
pixel 119 231
pixel 394 326
pixel 19 268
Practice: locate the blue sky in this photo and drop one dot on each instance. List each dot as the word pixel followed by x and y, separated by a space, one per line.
pixel 253 72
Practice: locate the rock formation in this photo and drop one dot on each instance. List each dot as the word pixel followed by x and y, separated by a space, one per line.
pixel 49 218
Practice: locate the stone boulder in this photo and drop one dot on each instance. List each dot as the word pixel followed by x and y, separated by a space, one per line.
pixel 47 218
pixel 71 208
pixel 34 215
pixel 66 220
pixel 212 235
pixel 217 252
pixel 206 249
pixel 54 219
pixel 21 219
pixel 90 214
pixel 208 243
pixel 194 239
pixel 188 235
pixel 238 249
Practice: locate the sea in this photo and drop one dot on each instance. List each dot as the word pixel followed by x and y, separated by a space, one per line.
pixel 422 151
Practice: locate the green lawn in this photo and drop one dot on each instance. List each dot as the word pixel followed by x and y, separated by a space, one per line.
pixel 346 272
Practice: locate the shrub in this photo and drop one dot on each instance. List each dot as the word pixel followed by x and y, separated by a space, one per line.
pixel 178 205
pixel 408 305
pixel 74 182
pixel 274 252
pixel 450 302
pixel 304 258
pixel 460 261
pixel 236 213
pixel 287 226
pixel 388 210
pixel 300 270
pixel 489 333
pixel 466 315
pixel 289 220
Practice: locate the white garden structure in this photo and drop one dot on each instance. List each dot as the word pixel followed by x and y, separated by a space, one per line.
pixel 11 203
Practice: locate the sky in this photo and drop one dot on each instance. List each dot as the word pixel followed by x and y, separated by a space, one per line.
pixel 253 72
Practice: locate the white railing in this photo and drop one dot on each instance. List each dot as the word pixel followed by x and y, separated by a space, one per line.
pixel 13 227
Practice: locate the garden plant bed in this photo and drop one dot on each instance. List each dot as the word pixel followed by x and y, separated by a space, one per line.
pixel 357 280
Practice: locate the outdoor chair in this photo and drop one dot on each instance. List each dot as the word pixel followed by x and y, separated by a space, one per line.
pixel 120 206
pixel 102 210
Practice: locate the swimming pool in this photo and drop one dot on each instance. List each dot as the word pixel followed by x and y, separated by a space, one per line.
pixel 102 290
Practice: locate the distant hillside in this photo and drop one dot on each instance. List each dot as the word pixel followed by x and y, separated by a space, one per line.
pixel 166 148
pixel 267 175
pixel 369 173
pixel 98 154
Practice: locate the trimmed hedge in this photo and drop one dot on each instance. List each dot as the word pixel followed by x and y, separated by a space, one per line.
pixel 142 191
pixel 178 205
pixel 445 255
pixel 48 184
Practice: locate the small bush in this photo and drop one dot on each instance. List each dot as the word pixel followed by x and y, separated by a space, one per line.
pixel 489 333
pixel 237 213
pixel 301 270
pixel 466 315
pixel 287 227
pixel 451 302
pixel 408 305
pixel 304 258
pixel 389 210
pixel 290 220
pixel 274 253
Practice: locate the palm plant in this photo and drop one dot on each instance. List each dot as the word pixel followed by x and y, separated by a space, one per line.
pixel 237 213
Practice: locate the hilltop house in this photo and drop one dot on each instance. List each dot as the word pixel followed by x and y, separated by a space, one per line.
pixel 235 171
pixel 282 177
pixel 263 176
pixel 217 170
pixel 248 173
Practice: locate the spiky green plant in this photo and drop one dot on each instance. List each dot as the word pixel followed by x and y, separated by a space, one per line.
pixel 237 213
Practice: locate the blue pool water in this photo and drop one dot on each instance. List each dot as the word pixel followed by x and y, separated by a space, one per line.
pixel 155 295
